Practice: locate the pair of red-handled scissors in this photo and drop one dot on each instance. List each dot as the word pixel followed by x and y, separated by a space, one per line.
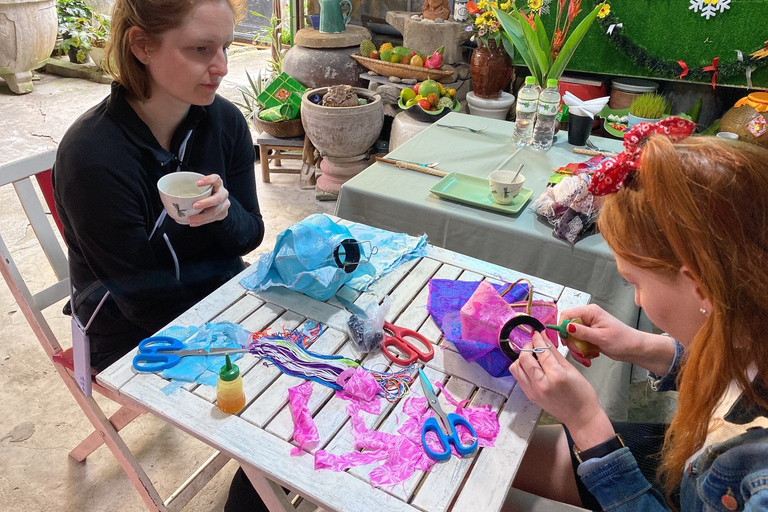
pixel 399 347
pixel 445 428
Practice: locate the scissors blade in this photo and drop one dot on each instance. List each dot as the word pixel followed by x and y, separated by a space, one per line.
pixel 204 352
pixel 433 404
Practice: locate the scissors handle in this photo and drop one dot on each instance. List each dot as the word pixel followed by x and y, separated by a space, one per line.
pixel 406 352
pixel 432 425
pixel 159 344
pixel 155 354
pixel 154 362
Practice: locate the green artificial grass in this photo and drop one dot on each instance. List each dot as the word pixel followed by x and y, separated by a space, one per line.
pixel 658 33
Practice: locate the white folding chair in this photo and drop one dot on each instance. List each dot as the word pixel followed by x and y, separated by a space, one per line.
pixel 32 304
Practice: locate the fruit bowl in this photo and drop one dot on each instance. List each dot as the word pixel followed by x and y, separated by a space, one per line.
pixel 428 116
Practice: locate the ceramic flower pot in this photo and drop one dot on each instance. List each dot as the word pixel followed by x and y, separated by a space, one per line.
pixel 343 132
pixel 633 120
pixel 491 69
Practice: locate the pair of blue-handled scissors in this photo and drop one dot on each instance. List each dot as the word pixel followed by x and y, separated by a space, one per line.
pixel 446 432
pixel 161 352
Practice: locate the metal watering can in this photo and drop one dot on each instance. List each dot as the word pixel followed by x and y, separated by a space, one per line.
pixel 332 20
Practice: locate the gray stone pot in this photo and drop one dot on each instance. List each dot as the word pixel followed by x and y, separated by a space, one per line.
pixel 28 29
pixel 343 132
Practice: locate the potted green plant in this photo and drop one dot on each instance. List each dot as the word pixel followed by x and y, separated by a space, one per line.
pixel 648 107
pixel 100 29
pixel 75 29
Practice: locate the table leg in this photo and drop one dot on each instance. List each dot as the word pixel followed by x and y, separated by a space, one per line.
pixel 270 492
pixel 264 158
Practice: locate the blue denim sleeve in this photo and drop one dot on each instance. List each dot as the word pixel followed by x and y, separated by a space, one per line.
pixel 756 486
pixel 619 486
pixel 667 382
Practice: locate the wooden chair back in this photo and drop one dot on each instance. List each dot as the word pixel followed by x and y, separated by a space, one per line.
pixel 33 303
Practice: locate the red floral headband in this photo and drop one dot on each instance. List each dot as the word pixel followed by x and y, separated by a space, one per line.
pixel 609 176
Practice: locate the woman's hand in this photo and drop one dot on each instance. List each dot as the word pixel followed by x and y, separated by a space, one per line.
pixel 617 340
pixel 611 336
pixel 215 207
pixel 554 384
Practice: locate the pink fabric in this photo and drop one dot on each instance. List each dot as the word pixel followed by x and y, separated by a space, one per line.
pixel 304 428
pixel 402 453
pixel 359 387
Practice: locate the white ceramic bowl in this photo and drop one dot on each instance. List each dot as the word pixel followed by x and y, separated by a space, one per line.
pixel 503 189
pixel 178 193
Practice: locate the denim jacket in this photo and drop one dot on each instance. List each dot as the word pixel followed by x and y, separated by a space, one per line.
pixel 731 475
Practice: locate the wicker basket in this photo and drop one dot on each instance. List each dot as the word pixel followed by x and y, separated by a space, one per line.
pixel 403 70
pixel 281 129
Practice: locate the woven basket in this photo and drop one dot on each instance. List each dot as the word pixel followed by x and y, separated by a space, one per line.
pixel 403 70
pixel 281 129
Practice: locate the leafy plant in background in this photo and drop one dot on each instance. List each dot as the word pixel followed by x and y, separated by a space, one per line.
pixel 270 35
pixel 547 59
pixel 100 29
pixel 75 27
pixel 250 105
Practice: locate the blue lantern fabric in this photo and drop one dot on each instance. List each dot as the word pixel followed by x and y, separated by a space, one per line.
pixel 317 256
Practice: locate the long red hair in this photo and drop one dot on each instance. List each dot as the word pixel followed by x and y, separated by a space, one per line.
pixel 702 203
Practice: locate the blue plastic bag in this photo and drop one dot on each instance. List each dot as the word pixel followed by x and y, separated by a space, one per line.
pixel 315 257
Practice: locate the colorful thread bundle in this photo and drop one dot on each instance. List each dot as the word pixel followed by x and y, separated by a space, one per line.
pixel 286 351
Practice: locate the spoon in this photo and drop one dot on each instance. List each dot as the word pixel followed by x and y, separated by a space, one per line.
pixel 473 130
pixel 514 178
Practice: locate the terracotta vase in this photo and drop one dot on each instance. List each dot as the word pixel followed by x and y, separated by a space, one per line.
pixel 491 70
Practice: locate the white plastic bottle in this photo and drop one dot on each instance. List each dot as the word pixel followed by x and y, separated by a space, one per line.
pixel 527 100
pixel 546 116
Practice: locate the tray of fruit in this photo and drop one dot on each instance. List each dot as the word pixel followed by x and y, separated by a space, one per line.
pixel 403 62
pixel 428 101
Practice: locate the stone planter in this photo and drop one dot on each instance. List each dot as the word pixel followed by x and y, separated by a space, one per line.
pixel 343 132
pixel 342 135
pixel 28 31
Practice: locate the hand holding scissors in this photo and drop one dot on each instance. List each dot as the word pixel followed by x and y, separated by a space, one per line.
pixel 446 433
pixel 161 352
pixel 406 352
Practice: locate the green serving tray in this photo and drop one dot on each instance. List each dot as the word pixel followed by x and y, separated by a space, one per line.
pixel 474 191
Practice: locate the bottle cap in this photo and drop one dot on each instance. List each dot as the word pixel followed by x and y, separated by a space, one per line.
pixel 551 82
pixel 530 80
pixel 229 371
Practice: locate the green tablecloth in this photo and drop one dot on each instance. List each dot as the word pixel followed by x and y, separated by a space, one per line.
pixel 400 200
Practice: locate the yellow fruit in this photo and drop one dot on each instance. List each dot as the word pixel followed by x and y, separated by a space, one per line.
pixel 417 61
pixel 394 59
pixel 442 89
pixel 407 94
pixel 451 92
pixel 385 46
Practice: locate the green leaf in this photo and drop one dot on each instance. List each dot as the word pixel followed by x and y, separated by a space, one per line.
pixel 572 43
pixel 512 24
pixel 541 34
pixel 695 111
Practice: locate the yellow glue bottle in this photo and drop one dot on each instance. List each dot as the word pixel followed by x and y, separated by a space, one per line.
pixel 229 389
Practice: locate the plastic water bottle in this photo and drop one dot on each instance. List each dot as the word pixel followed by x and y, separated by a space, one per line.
pixel 527 100
pixel 546 116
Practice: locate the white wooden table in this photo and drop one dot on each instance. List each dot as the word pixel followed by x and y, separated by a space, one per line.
pixel 260 437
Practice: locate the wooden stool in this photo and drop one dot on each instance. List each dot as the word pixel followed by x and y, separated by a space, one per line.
pixel 274 149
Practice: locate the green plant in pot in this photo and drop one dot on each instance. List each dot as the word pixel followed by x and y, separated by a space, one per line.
pixel 649 107
pixel 75 29
pixel 100 30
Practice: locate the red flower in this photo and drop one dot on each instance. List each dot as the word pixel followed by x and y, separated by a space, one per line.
pixel 472 8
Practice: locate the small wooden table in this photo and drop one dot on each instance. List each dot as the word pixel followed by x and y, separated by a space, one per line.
pixel 260 437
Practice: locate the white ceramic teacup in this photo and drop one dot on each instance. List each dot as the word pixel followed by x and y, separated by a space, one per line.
pixel 178 192
pixel 503 189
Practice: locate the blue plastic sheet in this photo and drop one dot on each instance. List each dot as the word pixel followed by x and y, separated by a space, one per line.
pixel 307 258
pixel 203 369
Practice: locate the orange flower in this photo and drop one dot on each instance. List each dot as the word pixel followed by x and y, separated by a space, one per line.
pixel 472 8
pixel 558 40
pixel 529 19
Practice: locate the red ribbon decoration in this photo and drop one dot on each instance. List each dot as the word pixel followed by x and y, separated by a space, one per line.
pixel 685 69
pixel 713 67
pixel 610 174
